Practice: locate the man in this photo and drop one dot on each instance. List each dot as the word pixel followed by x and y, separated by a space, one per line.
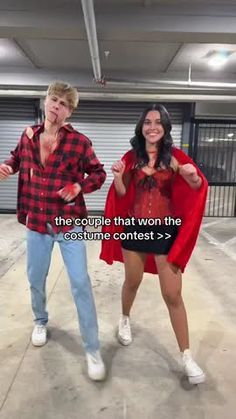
pixel 52 159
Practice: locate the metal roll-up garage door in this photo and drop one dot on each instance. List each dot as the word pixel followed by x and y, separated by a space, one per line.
pixel 15 116
pixel 110 125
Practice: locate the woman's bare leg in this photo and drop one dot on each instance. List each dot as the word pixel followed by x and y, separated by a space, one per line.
pixel 134 267
pixel 171 285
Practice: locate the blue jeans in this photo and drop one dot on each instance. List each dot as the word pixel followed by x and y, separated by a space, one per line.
pixel 39 251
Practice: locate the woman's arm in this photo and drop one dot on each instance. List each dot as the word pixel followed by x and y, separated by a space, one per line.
pixel 118 169
pixel 188 172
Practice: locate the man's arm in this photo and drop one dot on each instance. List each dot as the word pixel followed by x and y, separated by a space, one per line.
pixel 11 165
pixel 5 171
pixel 94 180
pixel 96 174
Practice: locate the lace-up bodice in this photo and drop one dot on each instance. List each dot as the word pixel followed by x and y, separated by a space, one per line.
pixel 152 194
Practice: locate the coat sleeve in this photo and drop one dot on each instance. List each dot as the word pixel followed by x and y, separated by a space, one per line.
pixel 188 204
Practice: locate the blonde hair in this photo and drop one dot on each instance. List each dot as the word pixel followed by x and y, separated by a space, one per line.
pixel 60 88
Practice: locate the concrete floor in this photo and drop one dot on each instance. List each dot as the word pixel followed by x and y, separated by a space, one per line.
pixel 144 380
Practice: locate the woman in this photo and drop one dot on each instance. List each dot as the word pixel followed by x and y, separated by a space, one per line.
pixel 158 183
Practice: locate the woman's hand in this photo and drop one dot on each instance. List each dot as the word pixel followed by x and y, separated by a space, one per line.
pixel 189 173
pixel 118 169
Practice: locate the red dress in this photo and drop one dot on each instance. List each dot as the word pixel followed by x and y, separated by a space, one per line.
pixel 152 196
pixel 187 204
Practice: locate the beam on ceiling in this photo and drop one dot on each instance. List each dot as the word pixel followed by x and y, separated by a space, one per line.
pixel 129 97
pixel 90 24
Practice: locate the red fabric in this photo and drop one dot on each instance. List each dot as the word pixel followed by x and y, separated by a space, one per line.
pixel 38 186
pixel 187 203
pixel 154 201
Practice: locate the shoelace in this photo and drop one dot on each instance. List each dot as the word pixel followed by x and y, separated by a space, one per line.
pixel 126 326
pixel 40 328
pixel 193 366
pixel 95 358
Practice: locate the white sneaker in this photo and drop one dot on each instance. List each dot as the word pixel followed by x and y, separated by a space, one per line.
pixel 192 370
pixel 96 367
pixel 39 335
pixel 124 334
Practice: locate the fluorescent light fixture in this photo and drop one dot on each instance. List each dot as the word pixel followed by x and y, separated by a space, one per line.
pixel 217 59
pixel 231 134
pixel 3 51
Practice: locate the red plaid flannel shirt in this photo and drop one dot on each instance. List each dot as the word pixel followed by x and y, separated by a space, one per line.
pixel 38 202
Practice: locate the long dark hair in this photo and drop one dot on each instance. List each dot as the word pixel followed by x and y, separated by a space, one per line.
pixel 164 147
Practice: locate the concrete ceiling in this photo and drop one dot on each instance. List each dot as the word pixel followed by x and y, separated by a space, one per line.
pixel 152 47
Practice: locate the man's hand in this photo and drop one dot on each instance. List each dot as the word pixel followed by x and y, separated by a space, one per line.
pixel 69 192
pixel 5 171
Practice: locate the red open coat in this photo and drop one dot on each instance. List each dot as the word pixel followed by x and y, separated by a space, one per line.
pixel 187 203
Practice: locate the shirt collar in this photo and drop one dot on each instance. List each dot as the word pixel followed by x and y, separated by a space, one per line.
pixel 39 128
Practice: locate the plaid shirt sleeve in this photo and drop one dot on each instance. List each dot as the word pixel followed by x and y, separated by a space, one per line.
pixel 14 160
pixel 96 175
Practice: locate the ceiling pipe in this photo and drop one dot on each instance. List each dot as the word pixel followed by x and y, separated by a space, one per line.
pixel 90 25
pixel 166 83
pixel 128 97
